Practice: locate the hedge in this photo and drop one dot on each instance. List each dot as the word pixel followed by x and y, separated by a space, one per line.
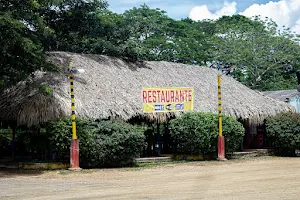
pixel 196 133
pixel 283 131
pixel 102 144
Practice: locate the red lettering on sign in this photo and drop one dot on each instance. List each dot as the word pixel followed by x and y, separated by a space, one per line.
pixel 149 96
pixel 154 96
pixel 158 96
pixel 181 96
pixel 145 97
pixel 163 100
pixel 177 96
pixel 167 96
pixel 172 96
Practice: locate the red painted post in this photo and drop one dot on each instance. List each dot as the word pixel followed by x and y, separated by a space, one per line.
pixel 74 154
pixel 221 148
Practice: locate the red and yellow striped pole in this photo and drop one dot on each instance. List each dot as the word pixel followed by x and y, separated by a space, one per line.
pixel 74 150
pixel 221 139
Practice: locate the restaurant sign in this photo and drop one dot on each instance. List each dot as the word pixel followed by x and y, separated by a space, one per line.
pixel 167 99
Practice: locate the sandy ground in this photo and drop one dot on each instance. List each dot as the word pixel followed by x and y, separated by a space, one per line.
pixel 258 178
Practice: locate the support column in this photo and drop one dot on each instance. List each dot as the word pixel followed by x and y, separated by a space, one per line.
pixel 221 139
pixel 74 149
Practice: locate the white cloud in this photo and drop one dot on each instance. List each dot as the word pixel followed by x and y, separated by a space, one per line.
pixel 137 1
pixel 202 12
pixel 284 12
pixel 296 28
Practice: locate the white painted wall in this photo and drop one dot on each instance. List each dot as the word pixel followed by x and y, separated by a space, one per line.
pixel 295 101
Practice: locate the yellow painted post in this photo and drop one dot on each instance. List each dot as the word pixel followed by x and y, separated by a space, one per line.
pixel 220 106
pixel 74 135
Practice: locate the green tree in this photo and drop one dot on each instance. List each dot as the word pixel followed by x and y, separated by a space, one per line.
pixel 21 52
pixel 191 42
pixel 262 54
pixel 145 37
pixel 137 34
pixel 155 36
pixel 72 21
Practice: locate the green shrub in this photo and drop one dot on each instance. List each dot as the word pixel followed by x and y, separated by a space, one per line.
pixel 233 132
pixel 283 131
pixel 114 144
pixel 59 135
pixel 197 133
pixel 102 144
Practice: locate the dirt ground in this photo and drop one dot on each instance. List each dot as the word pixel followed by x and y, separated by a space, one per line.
pixel 258 178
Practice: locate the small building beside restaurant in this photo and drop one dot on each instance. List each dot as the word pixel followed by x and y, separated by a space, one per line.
pixel 289 96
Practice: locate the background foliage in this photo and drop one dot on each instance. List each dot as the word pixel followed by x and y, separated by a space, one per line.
pixel 264 56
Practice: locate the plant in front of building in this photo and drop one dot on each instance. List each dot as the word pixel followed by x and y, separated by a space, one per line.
pixel 102 144
pixel 113 144
pixel 196 133
pixel 283 131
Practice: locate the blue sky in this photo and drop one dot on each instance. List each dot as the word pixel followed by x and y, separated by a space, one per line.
pixel 283 12
pixel 178 9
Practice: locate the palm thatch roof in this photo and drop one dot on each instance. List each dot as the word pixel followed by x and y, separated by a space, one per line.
pixel 112 87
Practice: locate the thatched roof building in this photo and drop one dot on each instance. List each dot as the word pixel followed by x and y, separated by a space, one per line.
pixel 282 95
pixel 289 96
pixel 112 87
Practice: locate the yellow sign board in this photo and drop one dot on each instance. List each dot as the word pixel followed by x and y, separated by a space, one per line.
pixel 167 99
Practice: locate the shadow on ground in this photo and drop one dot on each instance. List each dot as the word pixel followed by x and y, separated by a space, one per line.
pixel 9 173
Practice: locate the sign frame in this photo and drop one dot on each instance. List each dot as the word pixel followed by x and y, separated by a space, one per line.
pixel 167 99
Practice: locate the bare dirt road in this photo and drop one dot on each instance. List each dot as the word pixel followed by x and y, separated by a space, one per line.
pixel 259 178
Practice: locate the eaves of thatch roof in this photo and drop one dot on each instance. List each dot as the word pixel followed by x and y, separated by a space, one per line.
pixel 112 87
